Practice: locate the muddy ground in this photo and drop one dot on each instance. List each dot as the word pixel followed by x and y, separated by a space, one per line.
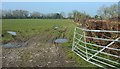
pixel 38 51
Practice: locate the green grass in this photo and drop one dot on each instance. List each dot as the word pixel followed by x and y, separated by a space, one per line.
pixel 27 28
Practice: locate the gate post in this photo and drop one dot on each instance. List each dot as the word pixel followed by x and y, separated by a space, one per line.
pixel 85 45
pixel 74 39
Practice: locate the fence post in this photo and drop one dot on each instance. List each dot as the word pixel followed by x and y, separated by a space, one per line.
pixel 85 45
pixel 74 39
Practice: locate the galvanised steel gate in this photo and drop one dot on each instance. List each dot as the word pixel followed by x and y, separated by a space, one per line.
pixel 94 53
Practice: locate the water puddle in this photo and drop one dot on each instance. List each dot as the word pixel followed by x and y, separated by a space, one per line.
pixel 12 45
pixel 61 40
pixel 12 33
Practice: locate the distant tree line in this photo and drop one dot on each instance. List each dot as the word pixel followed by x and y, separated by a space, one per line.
pixel 24 14
pixel 103 12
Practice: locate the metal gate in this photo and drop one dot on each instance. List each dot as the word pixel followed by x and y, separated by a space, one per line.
pixel 94 53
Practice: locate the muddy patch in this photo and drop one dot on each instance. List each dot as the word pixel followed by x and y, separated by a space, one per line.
pixel 38 52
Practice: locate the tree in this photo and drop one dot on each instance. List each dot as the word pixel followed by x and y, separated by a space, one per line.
pixel 20 14
pixel 80 16
pixel 70 15
pixel 35 15
pixel 76 15
pixel 15 14
pixel 63 15
pixel 57 16
pixel 6 14
pixel 108 12
pixel 114 10
pixel 25 13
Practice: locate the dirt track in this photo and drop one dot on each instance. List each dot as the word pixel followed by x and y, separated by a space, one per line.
pixel 38 51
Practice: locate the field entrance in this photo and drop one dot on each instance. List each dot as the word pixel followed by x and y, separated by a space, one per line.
pixel 37 37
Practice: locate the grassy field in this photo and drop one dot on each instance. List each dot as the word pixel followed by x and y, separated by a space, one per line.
pixel 28 28
pixel 31 27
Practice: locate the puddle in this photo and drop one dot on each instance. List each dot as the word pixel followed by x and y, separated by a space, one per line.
pixel 11 32
pixel 61 40
pixel 56 27
pixel 12 45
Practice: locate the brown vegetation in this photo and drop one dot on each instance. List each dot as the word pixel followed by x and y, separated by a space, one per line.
pixel 104 25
